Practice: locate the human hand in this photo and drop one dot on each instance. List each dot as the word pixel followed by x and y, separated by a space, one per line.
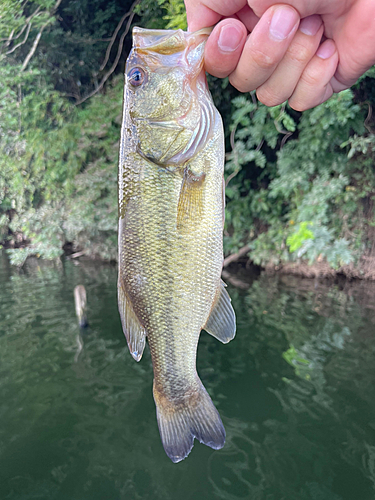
pixel 281 58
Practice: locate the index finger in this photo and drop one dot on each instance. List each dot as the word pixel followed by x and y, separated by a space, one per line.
pixel 205 13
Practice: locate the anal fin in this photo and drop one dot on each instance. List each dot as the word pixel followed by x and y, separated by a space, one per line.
pixel 221 322
pixel 134 332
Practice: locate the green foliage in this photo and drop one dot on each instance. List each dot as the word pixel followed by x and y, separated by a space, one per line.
pixel 163 14
pixel 318 242
pixel 58 161
pixel 72 203
pixel 323 244
pixel 287 168
pixel 296 240
pixel 176 14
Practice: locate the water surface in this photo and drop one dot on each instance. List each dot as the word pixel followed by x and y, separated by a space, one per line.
pixel 295 390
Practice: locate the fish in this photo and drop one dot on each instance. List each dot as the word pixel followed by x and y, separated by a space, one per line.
pixel 171 217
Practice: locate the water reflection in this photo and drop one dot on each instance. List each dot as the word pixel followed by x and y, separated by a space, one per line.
pixel 295 389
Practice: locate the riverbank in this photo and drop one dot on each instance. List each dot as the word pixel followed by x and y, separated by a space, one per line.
pixel 363 269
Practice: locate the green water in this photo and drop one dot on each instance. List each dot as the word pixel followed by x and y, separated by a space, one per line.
pixel 295 390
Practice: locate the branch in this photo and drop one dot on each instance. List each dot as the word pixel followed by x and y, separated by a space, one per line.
pixel 56 6
pixel 33 48
pixel 236 256
pixel 285 138
pixel 230 177
pixel 119 51
pixel 38 37
pixel 367 121
pixel 11 39
pixel 279 128
pixel 112 40
pixel 23 41
pixel 234 151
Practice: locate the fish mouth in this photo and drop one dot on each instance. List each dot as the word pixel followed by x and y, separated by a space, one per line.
pixel 166 41
pixel 155 32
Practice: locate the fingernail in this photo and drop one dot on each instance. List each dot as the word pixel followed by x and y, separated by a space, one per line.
pixel 326 50
pixel 230 38
pixel 310 25
pixel 283 21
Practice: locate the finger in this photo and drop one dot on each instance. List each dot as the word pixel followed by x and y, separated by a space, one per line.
pixel 265 48
pixel 314 86
pixel 248 18
pixel 205 13
pixel 337 86
pixel 224 47
pixel 305 8
pixel 280 86
pixel 355 41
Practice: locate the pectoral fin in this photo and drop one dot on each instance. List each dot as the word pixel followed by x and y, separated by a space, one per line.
pixel 222 321
pixel 134 332
pixel 190 203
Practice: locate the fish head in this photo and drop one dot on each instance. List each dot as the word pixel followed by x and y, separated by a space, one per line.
pixel 166 94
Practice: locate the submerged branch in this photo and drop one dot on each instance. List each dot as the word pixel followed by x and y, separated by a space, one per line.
pixel 77 254
pixel 235 280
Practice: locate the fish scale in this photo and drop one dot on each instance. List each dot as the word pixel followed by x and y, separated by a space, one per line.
pixel 170 229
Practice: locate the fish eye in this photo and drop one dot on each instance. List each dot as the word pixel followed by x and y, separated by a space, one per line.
pixel 136 77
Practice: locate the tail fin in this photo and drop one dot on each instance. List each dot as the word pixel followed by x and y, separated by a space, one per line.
pixel 191 416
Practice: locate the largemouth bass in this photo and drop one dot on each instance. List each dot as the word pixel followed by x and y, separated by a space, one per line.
pixel 171 215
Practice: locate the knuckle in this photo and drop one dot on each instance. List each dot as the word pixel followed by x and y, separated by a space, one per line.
pixel 298 105
pixel 311 78
pixel 240 84
pixel 299 54
pixel 263 60
pixel 269 97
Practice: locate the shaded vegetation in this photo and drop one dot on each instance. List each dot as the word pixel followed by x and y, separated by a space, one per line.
pixel 299 186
